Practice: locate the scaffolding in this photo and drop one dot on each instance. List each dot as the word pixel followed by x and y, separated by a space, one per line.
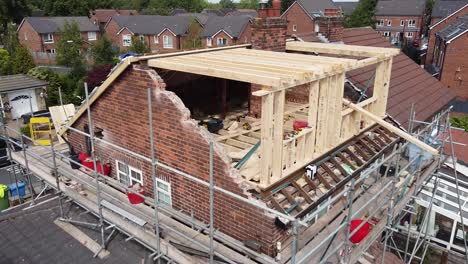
pixel 320 236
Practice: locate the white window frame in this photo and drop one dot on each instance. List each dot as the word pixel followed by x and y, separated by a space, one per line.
pixel 409 34
pixel 294 28
pixel 223 41
pixel 402 23
pixel 131 180
pixel 92 35
pixel 156 39
pixel 166 43
pixel 389 23
pixel 411 23
pixel 142 38
pixel 48 40
pixel 167 192
pixel 209 42
pixel 126 40
pixel 25 35
pixel 386 34
pixel 380 23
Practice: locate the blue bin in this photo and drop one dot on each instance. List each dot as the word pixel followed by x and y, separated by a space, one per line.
pixel 21 189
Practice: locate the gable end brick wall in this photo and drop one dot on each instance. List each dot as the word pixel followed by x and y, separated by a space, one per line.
pixel 122 113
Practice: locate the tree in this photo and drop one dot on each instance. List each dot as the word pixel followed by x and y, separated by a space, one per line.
pixel 102 51
pixel 285 4
pixel 10 39
pixel 460 122
pixel 193 39
pixel 67 7
pixel 22 60
pixel 69 49
pixel 363 15
pixel 227 4
pixel 12 11
pixel 249 4
pixel 138 46
pixel 4 62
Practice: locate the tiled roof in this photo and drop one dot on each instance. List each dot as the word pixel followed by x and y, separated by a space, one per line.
pixel 453 30
pixel 202 18
pixel 19 82
pixel 232 25
pixel 409 84
pixel 252 13
pixel 346 7
pixel 316 6
pixel 150 25
pixel 400 7
pixel 443 8
pixel 103 15
pixel 55 24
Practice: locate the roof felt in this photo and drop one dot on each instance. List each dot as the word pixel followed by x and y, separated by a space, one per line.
pixel 147 24
pixel 409 83
pixel 346 7
pixel 443 8
pixel 400 7
pixel 19 82
pixel 316 6
pixel 232 25
pixel 453 30
pixel 55 24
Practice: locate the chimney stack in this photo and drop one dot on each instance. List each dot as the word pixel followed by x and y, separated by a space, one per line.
pixel 331 24
pixel 274 11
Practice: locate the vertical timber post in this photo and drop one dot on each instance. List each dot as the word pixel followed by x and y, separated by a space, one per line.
pixel 266 146
pixel 277 159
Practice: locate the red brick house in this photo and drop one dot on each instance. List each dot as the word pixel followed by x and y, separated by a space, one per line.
pixel 321 17
pixel 40 35
pixel 226 31
pixel 450 56
pixel 162 34
pixel 400 20
pixel 444 14
pixel 102 16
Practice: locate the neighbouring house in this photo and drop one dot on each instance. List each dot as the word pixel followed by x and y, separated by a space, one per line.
pixel 101 16
pixel 41 34
pixel 400 21
pixel 252 13
pixel 445 8
pixel 226 31
pixel 450 56
pixel 217 12
pixel 450 14
pixel 201 18
pixel 21 94
pixel 162 34
pixel 321 17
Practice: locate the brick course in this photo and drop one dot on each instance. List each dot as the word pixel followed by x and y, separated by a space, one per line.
pixel 122 113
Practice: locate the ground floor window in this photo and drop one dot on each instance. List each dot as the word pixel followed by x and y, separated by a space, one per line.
pixel 128 175
pixel 163 189
pixel 386 34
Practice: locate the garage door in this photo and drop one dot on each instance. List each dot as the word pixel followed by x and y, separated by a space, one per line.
pixel 19 102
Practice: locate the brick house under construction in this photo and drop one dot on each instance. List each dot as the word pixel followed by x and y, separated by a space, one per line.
pixel 253 88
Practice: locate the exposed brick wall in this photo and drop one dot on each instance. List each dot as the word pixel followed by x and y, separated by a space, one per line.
pixel 332 28
pixel 267 34
pixel 434 30
pixel 121 111
pixel 454 72
pixel 297 18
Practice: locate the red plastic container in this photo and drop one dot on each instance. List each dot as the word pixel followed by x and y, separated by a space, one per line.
pixel 135 199
pixel 299 124
pixel 361 233
pixel 82 156
pixel 105 167
pixel 88 163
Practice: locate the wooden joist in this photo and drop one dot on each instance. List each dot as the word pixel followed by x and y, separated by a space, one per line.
pixel 340 49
